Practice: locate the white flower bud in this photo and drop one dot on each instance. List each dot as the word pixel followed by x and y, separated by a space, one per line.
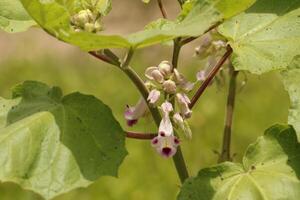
pixel 153 96
pixel 157 76
pixel 82 17
pixel 89 27
pixel 169 86
pixel 153 73
pixel 165 67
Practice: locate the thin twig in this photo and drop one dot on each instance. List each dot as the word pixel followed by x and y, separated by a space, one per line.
pixel 102 57
pixel 210 77
pixel 190 39
pixel 141 136
pixel 127 58
pixel 225 154
pixel 162 9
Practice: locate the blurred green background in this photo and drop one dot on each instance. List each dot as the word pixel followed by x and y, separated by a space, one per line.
pixel 144 175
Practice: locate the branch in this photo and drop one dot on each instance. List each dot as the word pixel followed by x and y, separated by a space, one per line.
pixel 162 9
pixel 210 77
pixel 141 136
pixel 225 152
pixel 190 39
pixel 102 57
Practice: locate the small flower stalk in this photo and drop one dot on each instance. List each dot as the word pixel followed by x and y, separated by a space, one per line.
pixel 167 82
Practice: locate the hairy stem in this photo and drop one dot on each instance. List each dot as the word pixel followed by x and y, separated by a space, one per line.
pixel 210 77
pixel 141 136
pixel 225 154
pixel 162 9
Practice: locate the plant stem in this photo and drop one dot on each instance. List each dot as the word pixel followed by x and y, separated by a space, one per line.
pixel 225 154
pixel 141 136
pixel 178 158
pixel 162 9
pixel 176 51
pixel 210 77
pixel 181 2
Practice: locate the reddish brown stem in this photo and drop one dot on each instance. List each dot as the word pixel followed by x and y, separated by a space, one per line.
pixel 102 57
pixel 210 77
pixel 140 136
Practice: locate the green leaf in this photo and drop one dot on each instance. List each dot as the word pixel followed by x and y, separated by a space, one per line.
pixel 52 144
pixel 291 80
pixel 264 39
pixel 13 17
pixel 270 170
pixel 54 17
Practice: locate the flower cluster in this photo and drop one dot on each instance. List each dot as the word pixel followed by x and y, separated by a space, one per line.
pixel 86 20
pixel 166 80
pixel 211 49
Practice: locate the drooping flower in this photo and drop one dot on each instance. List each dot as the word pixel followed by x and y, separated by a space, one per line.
pixel 166 146
pixel 183 103
pixel 153 96
pixel 132 114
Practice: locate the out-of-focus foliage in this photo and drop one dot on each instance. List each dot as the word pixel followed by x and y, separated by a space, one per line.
pixel 13 17
pixel 270 170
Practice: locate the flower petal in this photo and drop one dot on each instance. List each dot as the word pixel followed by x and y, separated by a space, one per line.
pixel 166 108
pixel 132 114
pixel 153 96
pixel 148 72
pixel 166 146
pixel 165 127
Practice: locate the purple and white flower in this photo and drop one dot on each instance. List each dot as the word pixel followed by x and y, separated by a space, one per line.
pixel 132 114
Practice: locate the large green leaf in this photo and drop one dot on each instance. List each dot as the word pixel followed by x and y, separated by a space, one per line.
pixel 13 17
pixel 270 170
pixel 291 80
pixel 54 17
pixel 52 144
pixel 266 37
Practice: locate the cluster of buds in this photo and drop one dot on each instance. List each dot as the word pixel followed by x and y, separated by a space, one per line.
pixel 86 20
pixel 164 79
pixel 211 48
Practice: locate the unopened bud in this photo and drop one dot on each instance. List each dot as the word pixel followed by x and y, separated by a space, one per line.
pixel 89 27
pixel 169 86
pixel 165 67
pixel 157 76
pixel 83 17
